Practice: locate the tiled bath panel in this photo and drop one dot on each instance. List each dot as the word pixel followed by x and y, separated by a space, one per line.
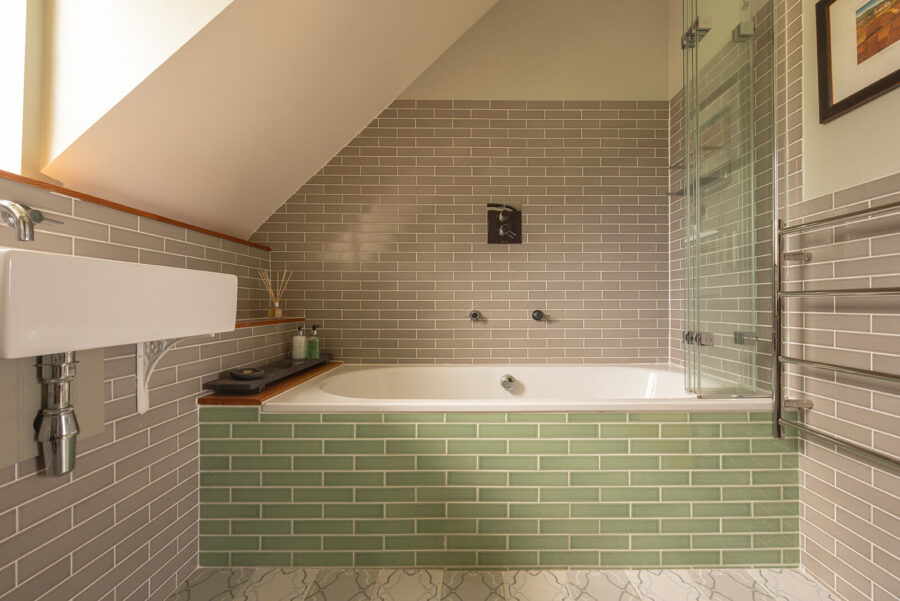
pixel 495 490
pixel 347 584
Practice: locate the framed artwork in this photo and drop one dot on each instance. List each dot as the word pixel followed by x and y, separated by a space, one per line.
pixel 858 47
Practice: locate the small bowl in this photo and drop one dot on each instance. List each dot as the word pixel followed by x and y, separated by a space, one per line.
pixel 246 373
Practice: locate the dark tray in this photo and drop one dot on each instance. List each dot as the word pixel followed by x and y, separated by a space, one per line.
pixel 272 373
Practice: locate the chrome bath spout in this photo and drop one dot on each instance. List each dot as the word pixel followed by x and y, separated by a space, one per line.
pixel 18 216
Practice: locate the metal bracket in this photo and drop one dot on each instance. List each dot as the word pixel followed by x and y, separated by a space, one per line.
pixel 698 338
pixel 696 32
pixel 148 355
pixel 798 255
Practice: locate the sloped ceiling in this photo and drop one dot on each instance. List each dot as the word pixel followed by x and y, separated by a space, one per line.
pixel 230 126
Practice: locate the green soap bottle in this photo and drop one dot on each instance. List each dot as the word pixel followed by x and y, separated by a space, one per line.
pixel 312 345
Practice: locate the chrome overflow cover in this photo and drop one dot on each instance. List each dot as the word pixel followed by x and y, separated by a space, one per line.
pixel 507 382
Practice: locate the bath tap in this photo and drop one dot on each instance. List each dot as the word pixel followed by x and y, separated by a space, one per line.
pixel 23 218
pixel 539 315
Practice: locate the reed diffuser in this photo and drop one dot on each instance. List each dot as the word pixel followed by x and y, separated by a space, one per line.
pixel 276 286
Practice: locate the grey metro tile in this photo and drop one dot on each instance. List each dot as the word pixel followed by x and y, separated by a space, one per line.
pixel 472 586
pixel 601 585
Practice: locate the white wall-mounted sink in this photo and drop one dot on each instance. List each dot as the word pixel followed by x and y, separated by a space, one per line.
pixel 51 303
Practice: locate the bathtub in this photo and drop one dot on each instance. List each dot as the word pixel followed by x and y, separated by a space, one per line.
pixel 478 388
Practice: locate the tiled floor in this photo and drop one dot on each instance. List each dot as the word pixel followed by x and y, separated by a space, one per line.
pixel 330 584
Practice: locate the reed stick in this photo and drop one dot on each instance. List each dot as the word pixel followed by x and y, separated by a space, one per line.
pixel 277 286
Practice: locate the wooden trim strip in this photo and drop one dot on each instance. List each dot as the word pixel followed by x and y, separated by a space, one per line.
pixel 273 389
pixel 21 179
pixel 252 323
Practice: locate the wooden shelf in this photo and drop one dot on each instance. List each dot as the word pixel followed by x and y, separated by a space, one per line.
pixel 258 398
pixel 267 321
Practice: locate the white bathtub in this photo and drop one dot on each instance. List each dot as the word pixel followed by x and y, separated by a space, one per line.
pixel 461 388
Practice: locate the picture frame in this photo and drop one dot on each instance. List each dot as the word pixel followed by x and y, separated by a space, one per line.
pixel 858 52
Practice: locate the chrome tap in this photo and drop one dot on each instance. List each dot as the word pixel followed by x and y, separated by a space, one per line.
pixel 23 218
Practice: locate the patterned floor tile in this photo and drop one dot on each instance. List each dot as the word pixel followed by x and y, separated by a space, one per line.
pixel 601 585
pixel 408 585
pixel 472 586
pixel 790 585
pixel 665 585
pixel 342 585
pixel 279 584
pixel 214 584
pixel 542 585
pixel 729 585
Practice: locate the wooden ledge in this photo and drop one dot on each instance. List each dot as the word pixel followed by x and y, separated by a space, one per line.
pixel 258 398
pixel 267 321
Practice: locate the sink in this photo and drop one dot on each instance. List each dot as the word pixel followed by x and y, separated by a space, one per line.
pixel 52 303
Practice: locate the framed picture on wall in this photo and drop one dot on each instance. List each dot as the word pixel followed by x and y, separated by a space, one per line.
pixel 858 47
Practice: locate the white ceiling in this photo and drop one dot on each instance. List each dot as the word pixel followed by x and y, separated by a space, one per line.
pixel 242 115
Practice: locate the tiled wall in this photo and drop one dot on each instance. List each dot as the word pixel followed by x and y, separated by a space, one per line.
pixel 123 525
pixel 489 490
pixel 388 241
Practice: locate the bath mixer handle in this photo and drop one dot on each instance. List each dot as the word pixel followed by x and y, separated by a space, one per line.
pixel 475 315
pixel 539 315
pixel 507 382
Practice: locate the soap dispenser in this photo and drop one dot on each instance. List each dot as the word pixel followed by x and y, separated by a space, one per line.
pixel 298 345
pixel 312 345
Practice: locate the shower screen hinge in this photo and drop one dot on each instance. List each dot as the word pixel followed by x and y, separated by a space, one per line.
pixel 698 338
pixel 696 32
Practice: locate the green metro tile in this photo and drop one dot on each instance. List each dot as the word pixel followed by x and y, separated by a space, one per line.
pixel 446 558
pixel 775 477
pixel 629 431
pixel 504 462
pixel 357 510
pixel 622 462
pixel 291 447
pixel 630 526
pixel 538 510
pixel 386 431
pixel 659 447
pixel 622 559
pixel 664 541
pixel 214 560
pixel 476 418
pixel 599 510
pixel 290 417
pixel 215 463
pixel 658 416
pixel 690 430
pixel 569 558
pixel 661 510
pixel 751 558
pixel 322 462
pixel 789 461
pixel 567 493
pixel 775 445
pixel 352 543
pixel 353 447
pixel 229 447
pixel 788 508
pixel 262 558
pixel 597 417
pixel 414 417
pixel 292 543
pixel 570 462
pixel 600 478
pixel 413 542
pixel 507 558
pixel 447 431
pixel 532 542
pixel 384 495
pixel 476 447
pixel 398 559
pixel 721 541
pixel 778 541
pixel 718 510
pixel 688 526
pixel 476 510
pixel 598 447
pixel 254 462
pixel 446 493
pixel 261 430
pixel 720 446
pixel 354 418
pixel 323 495
pixel 447 462
pixel 476 541
pixel 208 510
pixel 719 478
pixel 508 494
pixel 229 543
pixel 415 510
pixel 763 430
pixel 385 526
pixel 538 447
pixel 716 416
pixel 599 541
pixel 570 526
pixel 508 526
pixel 306 559
pixel 323 431
pixel 229 414
pixel 660 478
pixel 629 493
pixel 751 493
pixel 261 527
pixel 354 479
pixel 686 462
pixel 214 526
pixel 304 510
pixel 691 558
pixel 539 418
pixel 751 525
pixel 215 431
pixel 385 462
pixel 569 431
pixel 697 493
pixel 790 557
pixel 291 479
pixel 215 495
pixel 791 524
pixel 416 447
pixel 538 478
pixel 229 479
pixel 730 462
pixel 446 526
pixel 476 478
pixel 250 495
pixel 415 478
pixel 323 527
pixel 507 431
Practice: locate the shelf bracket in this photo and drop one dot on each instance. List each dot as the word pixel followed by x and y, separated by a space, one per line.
pixel 148 355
